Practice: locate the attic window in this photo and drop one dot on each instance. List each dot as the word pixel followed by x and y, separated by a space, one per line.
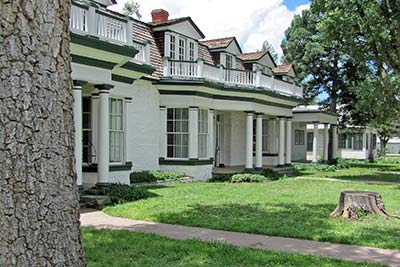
pixel 229 61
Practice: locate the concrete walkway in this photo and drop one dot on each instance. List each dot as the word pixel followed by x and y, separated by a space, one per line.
pixel 344 180
pixel 99 219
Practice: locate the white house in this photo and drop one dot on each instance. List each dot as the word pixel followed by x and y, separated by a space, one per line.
pixel 392 146
pixel 157 96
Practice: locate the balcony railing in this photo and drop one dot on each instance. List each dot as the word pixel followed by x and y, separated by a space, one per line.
pixel 191 70
pixel 107 26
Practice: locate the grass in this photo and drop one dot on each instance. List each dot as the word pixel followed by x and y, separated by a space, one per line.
pixel 361 171
pixel 288 208
pixel 111 248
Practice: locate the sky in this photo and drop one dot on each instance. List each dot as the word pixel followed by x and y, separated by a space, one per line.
pixel 251 21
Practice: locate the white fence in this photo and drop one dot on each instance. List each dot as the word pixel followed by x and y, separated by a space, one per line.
pixel 111 28
pixel 78 20
pixel 141 56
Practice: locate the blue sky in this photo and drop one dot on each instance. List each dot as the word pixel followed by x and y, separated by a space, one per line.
pixel 293 4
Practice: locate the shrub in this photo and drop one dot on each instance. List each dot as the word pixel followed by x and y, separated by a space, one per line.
pixel 343 163
pixel 270 174
pixel 149 177
pixel 120 193
pixel 314 167
pixel 223 177
pixel 388 160
pixel 248 178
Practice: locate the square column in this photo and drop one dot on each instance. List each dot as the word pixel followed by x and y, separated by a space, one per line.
pixel 77 94
pixel 193 132
pixel 281 157
pixel 288 159
pixel 163 132
pixel 326 141
pixel 104 133
pixel 315 143
pixel 210 143
pixel 249 140
pixel 259 127
pixel 334 141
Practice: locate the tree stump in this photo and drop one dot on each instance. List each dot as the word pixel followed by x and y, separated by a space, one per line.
pixel 351 202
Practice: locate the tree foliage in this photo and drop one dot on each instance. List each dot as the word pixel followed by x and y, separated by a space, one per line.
pixel 268 47
pixel 131 8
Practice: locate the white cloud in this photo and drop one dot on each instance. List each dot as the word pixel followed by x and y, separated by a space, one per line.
pixel 252 21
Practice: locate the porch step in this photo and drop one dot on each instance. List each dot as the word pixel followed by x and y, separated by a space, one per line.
pixel 285 170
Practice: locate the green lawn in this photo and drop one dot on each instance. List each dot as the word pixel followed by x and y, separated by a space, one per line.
pixel 288 208
pixel 108 248
pixel 362 171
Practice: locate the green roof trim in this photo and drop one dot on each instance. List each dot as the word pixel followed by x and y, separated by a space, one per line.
pixel 223 97
pixel 96 43
pixel 231 88
pixel 93 62
pixel 122 79
pixel 138 67
pixel 317 111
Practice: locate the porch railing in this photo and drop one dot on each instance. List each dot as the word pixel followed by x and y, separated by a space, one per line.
pixel 191 70
pixel 108 26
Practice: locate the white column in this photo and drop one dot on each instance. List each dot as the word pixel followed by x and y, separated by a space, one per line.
pixel 77 94
pixel 193 133
pixel 91 21
pixel 272 133
pixel 249 140
pixel 104 140
pixel 288 159
pixel 129 37
pixel 326 141
pixel 163 132
pixel 334 141
pixel 281 158
pixel 259 144
pixel 210 143
pixel 315 143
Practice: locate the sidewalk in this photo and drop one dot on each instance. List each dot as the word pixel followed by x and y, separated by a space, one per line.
pixel 99 219
pixel 344 180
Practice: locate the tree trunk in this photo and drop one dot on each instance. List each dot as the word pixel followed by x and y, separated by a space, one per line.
pixel 383 142
pixel 352 202
pixel 39 210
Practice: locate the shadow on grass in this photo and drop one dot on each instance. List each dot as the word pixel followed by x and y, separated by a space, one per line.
pixel 304 221
pixel 379 167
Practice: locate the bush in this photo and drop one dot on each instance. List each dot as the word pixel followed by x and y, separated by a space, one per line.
pixel 388 160
pixel 120 193
pixel 149 177
pixel 270 174
pixel 314 167
pixel 248 178
pixel 343 163
pixel 223 177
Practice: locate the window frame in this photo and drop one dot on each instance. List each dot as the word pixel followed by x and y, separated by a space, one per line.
pixel 342 141
pixel 88 130
pixel 121 131
pixel 203 133
pixel 299 137
pixel 175 133
pixel 308 141
pixel 264 136
pixel 358 141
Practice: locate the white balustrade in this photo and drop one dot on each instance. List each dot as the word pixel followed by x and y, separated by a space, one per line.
pixel 183 69
pixel 240 77
pixel 111 28
pixel 78 20
pixel 266 81
pixel 211 72
pixel 283 87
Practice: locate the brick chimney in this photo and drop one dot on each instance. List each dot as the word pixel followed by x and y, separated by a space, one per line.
pixel 159 15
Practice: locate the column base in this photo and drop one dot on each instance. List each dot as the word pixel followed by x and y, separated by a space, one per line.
pixel 103 185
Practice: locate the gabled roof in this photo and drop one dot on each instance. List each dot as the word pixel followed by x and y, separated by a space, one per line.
pixel 220 43
pixel 283 69
pixel 176 21
pixel 252 56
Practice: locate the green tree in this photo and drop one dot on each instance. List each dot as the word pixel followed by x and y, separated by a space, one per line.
pixel 131 8
pixel 268 47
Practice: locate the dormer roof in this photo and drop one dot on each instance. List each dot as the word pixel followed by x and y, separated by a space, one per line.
pixel 287 69
pixel 221 43
pixel 105 3
pixel 163 24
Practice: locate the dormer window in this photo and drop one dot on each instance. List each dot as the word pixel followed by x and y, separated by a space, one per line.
pixel 179 47
pixel 229 61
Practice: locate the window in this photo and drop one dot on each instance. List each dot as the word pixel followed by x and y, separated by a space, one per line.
pixel 116 126
pixel 310 141
pixel 203 133
pixel 181 49
pixel 358 141
pixel 366 141
pixel 191 51
pixel 342 141
pixel 172 46
pixel 87 130
pixel 374 141
pixel 264 136
pixel 349 141
pixel 229 61
pixel 177 133
pixel 299 137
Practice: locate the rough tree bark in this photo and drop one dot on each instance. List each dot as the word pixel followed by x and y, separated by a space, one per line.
pixel 39 210
pixel 351 202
